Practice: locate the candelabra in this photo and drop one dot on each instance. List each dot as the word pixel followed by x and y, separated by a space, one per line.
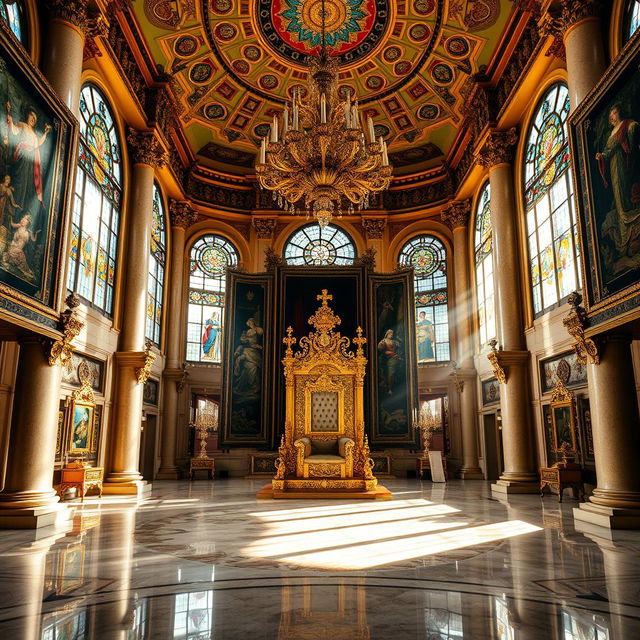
pixel 427 424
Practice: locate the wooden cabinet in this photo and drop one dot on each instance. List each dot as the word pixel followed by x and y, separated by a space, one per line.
pixel 559 477
pixel 83 478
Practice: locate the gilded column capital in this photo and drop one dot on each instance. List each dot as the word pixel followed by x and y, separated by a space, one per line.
pixel 575 11
pixel 146 149
pixel 575 322
pixel 498 148
pixel 264 227
pixel 182 214
pixel 457 214
pixel 74 12
pixel 374 227
pixel 96 27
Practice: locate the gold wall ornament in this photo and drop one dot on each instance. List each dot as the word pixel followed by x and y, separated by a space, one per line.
pixel 457 380
pixel 146 148
pixel 182 214
pixel 374 227
pixel 457 214
pixel 366 259
pixel 498 148
pixel 61 349
pixel 272 260
pixel 180 382
pixel 143 373
pixel 575 322
pixel 264 227
pixel 74 12
pixel 494 358
pixel 575 11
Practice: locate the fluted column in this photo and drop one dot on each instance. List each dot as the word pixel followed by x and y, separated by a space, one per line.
pixel 182 215
pixel 582 36
pixel 511 362
pixel 133 360
pixel 62 63
pixel 374 233
pixel 457 215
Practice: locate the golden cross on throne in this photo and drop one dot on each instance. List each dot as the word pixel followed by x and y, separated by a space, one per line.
pixel 325 297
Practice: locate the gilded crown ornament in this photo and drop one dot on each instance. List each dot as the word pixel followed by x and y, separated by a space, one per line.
pixel 320 157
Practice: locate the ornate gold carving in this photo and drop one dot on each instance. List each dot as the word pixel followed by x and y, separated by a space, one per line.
pixel 457 214
pixel 494 358
pixel 457 380
pixel 61 349
pixel 183 378
pixel 264 227
pixel 143 373
pixel 272 259
pixel 560 393
pixel 146 149
pixel 575 11
pixel 182 214
pixel 366 259
pixel 374 227
pixel 575 323
pixel 324 470
pixel 85 392
pixel 72 11
pixel 498 148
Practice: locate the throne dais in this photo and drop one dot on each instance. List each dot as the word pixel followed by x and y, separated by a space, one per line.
pixel 324 451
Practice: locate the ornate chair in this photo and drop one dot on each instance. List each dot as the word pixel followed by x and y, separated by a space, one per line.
pixel 324 450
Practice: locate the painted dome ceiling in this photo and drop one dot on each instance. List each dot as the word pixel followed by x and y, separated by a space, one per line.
pixel 234 63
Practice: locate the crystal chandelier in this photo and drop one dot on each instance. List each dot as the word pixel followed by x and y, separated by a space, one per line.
pixel 323 159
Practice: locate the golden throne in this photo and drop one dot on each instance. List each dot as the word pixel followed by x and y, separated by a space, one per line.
pixel 324 451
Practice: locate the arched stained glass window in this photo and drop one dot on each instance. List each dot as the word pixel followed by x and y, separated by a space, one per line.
pixel 11 13
pixel 96 207
pixel 483 243
pixel 548 188
pixel 632 19
pixel 210 256
pixel 428 257
pixel 157 261
pixel 313 245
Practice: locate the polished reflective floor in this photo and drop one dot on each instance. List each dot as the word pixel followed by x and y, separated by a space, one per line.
pixel 208 560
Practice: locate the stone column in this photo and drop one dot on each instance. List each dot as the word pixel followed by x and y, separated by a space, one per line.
pixel 374 233
pixel 132 362
pixel 582 37
pixel 264 228
pixel 511 362
pixel 457 215
pixel 182 215
pixel 62 62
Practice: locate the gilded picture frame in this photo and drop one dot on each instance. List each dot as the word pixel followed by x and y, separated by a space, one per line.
pixel 81 427
pixel 563 419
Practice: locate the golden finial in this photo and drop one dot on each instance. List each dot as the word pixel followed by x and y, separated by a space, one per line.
pixel 360 341
pixel 289 341
pixel 325 296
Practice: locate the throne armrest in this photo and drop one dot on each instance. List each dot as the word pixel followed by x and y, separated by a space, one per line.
pixel 303 445
pixel 345 447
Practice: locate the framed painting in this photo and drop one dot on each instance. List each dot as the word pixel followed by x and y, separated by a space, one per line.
pixel 81 415
pixel 563 420
pixel 37 164
pixel 71 570
pixel 605 138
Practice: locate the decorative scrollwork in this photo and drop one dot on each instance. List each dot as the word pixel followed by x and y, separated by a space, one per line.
pixel 575 323
pixel 143 372
pixel 61 349
pixel 494 358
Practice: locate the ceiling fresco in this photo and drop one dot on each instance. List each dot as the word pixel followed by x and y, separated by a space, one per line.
pixel 235 63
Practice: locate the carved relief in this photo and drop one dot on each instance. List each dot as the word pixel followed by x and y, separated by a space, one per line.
pixel 498 149
pixel 72 11
pixel 494 358
pixel 457 214
pixel 61 349
pixel 264 227
pixel 182 214
pixel 575 323
pixel 143 372
pixel 146 149
pixel 374 227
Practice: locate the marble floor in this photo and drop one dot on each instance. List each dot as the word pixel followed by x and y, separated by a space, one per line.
pixel 208 560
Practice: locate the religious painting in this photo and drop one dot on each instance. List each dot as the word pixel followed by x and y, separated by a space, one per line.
pixel 606 146
pixel 35 147
pixel 563 419
pixel 490 391
pixel 150 392
pixel 71 371
pixel 243 408
pixel 566 368
pixel 392 356
pixel 81 427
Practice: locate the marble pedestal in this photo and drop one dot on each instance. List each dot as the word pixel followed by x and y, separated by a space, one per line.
pixel 607 517
pixel 137 488
pixel 35 518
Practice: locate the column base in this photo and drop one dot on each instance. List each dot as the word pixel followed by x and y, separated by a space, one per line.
pixel 36 518
pixel 136 488
pixel 472 473
pixel 607 517
pixel 515 486
pixel 168 473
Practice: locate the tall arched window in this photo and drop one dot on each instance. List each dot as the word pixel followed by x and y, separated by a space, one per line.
pixel 483 244
pixel 11 13
pixel 313 245
pixel 551 219
pixel 96 206
pixel 210 256
pixel 632 19
pixel 428 257
pixel 157 260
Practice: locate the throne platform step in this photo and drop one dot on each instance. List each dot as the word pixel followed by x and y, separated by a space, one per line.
pixel 291 493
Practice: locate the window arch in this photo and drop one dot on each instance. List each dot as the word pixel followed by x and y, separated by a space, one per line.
pixel 550 211
pixel 209 257
pixel 483 251
pixel 12 14
pixel 157 259
pixel 97 202
pixel 316 246
pixel 428 257
pixel 632 19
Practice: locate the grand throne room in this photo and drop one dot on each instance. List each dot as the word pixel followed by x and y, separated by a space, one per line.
pixel 320 319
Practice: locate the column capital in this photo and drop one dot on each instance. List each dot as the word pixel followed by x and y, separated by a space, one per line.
pixel 146 149
pixel 74 12
pixel 264 227
pixel 498 148
pixel 457 214
pixel 575 11
pixel 374 227
pixel 182 214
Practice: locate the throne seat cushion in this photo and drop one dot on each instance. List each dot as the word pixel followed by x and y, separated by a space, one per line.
pixel 318 458
pixel 324 447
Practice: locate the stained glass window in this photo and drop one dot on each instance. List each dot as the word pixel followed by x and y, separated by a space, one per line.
pixel 96 206
pixel 428 257
pixel 11 13
pixel 485 294
pixel 208 260
pixel 313 245
pixel 632 21
pixel 157 259
pixel 551 218
pixel 193 615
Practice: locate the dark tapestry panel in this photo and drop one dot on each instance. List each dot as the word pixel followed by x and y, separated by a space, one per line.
pixel 392 359
pixel 246 405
